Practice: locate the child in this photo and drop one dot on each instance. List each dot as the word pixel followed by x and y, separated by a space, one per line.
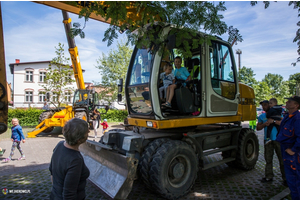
pixel 96 119
pixel 273 113
pixel 168 79
pixel 105 126
pixel 16 137
pixel 182 75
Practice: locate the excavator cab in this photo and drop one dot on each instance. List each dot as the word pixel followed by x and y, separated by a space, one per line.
pixel 212 90
pixel 84 98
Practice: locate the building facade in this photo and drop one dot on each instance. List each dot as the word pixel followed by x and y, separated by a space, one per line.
pixel 28 78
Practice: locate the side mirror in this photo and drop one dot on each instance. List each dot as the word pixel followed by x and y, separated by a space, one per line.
pixel 119 97
pixel 120 85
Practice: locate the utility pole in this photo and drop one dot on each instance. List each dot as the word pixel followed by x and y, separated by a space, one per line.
pixel 239 52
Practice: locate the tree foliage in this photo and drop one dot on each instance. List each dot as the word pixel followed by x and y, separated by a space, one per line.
pixel 58 76
pixel 113 67
pixel 246 75
pixel 294 84
pixel 133 16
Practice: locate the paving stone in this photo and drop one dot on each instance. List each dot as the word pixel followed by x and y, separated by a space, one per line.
pixel 221 182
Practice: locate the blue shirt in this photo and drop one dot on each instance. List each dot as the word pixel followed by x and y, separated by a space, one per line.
pixel 182 73
pixel 262 119
pixel 17 133
pixel 289 133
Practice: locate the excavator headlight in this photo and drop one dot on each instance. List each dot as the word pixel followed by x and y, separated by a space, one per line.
pixel 150 124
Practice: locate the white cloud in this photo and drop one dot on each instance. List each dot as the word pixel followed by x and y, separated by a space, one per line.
pixel 268 36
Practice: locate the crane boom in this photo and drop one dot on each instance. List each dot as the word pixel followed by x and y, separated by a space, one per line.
pixel 73 52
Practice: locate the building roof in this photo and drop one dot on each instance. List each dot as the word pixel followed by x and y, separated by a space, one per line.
pixel 11 65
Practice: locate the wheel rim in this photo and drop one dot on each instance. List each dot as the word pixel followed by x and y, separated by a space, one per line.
pixel 179 171
pixel 250 149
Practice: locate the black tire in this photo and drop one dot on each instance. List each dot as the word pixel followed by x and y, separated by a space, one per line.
pixel 144 165
pixel 81 115
pixel 248 149
pixel 43 116
pixel 173 170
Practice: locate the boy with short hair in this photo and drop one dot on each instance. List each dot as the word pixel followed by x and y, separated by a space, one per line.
pixel 16 137
pixel 168 78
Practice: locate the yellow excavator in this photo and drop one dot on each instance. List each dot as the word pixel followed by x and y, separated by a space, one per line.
pixel 167 146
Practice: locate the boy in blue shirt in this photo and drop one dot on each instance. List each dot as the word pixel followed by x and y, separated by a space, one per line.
pixel 16 137
pixel 264 123
pixel 182 75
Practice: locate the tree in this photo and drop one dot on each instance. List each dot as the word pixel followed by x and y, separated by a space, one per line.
pixel 128 16
pixel 272 86
pixel 274 81
pixel 294 84
pixel 58 76
pixel 112 68
pixel 262 92
pixel 246 75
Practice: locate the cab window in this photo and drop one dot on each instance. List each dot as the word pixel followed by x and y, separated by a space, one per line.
pixel 222 74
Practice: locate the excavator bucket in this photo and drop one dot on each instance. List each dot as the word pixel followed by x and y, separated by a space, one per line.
pixel 112 172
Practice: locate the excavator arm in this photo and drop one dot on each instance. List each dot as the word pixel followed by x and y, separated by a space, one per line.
pixel 3 88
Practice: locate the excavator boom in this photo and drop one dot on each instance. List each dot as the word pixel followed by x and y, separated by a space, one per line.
pixel 3 88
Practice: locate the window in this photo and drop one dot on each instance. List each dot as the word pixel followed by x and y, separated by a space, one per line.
pixel 222 74
pixel 68 96
pixel 54 97
pixel 28 96
pixel 68 78
pixel 138 90
pixel 42 76
pixel 42 96
pixel 29 76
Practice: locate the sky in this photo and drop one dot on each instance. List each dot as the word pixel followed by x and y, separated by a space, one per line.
pixel 32 31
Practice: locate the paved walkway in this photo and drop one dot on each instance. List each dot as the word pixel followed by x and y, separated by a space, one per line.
pixel 30 178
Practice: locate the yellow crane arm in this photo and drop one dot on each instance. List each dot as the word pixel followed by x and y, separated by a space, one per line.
pixel 73 52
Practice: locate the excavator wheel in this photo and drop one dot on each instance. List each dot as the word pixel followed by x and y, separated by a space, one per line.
pixel 248 149
pixel 43 116
pixel 81 115
pixel 147 157
pixel 173 169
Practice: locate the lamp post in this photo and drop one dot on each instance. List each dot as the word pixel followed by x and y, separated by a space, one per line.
pixel 239 52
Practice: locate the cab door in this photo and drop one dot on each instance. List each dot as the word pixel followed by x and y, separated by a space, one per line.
pixel 221 84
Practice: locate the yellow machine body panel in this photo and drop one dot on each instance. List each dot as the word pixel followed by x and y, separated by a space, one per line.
pixel 247 107
pixel 175 123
